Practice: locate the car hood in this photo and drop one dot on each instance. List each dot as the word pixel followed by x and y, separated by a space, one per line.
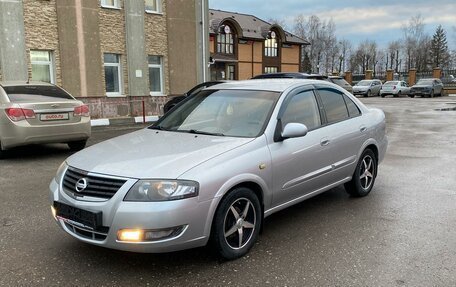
pixel 152 154
pixel 422 86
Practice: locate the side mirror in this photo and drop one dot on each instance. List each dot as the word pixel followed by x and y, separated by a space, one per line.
pixel 294 130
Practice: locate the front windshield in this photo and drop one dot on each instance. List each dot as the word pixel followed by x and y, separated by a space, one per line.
pixel 237 113
pixel 364 83
pixel 425 82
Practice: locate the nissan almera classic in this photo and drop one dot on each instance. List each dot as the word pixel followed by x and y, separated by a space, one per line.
pixel 217 165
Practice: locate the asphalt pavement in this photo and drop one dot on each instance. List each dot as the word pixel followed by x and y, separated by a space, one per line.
pixel 402 234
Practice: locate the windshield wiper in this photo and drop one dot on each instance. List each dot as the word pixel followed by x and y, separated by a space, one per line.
pixel 160 128
pixel 203 133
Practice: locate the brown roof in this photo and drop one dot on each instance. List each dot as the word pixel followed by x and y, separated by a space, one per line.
pixel 252 27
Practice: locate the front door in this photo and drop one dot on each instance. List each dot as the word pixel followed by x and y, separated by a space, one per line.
pixel 299 164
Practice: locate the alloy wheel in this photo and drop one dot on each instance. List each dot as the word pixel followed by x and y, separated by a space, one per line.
pixel 367 172
pixel 239 223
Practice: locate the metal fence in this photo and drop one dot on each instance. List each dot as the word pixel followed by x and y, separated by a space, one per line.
pixel 449 78
pixel 424 75
pixel 381 76
pixel 357 77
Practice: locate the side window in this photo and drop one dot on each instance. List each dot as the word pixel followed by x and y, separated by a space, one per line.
pixel 302 108
pixel 334 105
pixel 353 110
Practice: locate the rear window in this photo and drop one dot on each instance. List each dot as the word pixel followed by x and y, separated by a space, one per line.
pixel 387 84
pixel 340 82
pixel 35 92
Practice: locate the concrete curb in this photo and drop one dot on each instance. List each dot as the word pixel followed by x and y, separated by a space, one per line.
pixel 121 121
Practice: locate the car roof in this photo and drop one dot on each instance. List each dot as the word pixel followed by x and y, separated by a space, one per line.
pixel 289 75
pixel 23 83
pixel 275 85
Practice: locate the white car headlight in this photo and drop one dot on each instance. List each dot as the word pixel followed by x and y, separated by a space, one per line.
pixel 162 190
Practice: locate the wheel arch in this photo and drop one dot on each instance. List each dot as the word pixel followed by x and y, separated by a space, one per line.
pixel 254 183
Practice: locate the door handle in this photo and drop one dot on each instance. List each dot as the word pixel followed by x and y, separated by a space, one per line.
pixel 362 129
pixel 324 142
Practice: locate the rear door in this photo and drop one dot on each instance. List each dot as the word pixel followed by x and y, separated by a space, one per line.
pixel 51 104
pixel 346 131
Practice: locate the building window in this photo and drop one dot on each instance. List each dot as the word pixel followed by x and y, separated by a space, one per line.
pixel 113 74
pixel 225 41
pixel 156 75
pixel 42 66
pixel 110 4
pixel 270 45
pixel 270 70
pixel 153 6
pixel 230 71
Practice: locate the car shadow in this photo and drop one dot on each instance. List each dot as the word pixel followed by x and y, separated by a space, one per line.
pixel 37 152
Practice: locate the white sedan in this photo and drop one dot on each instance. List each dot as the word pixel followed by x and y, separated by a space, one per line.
pixel 395 88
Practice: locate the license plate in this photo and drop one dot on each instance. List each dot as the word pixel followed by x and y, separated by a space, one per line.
pixel 54 117
pixel 78 216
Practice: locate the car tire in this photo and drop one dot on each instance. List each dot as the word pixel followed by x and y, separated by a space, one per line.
pixel 382 95
pixel 364 176
pixel 368 94
pixel 236 223
pixel 398 94
pixel 77 145
pixel 411 96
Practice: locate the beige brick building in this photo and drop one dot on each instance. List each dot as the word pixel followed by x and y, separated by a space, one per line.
pixel 112 54
pixel 243 46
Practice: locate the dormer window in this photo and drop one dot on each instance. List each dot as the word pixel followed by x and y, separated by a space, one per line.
pixel 225 40
pixel 270 45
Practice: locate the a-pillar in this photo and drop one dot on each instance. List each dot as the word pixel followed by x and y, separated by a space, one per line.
pixel 412 77
pixel 368 75
pixel 348 77
pixel 13 58
pixel 389 75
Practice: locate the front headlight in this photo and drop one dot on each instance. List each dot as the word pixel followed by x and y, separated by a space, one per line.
pixel 61 172
pixel 162 190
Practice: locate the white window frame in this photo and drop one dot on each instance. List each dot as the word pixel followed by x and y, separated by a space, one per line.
pixel 49 63
pixel 105 5
pixel 160 66
pixel 159 8
pixel 119 71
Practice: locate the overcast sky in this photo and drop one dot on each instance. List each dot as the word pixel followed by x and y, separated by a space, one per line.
pixel 355 20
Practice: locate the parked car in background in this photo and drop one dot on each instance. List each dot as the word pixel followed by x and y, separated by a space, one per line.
pixel 177 99
pixel 217 164
pixel 36 112
pixel 427 88
pixel 290 75
pixel 367 88
pixel 394 88
pixel 340 81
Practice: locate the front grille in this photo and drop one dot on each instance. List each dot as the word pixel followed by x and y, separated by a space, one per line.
pixel 96 186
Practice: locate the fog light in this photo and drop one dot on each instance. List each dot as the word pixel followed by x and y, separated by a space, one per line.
pixel 54 212
pixel 138 235
pixel 132 235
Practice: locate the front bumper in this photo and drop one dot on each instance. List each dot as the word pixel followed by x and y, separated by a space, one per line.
pixel 118 214
pixel 359 92
pixel 421 92
pixel 22 133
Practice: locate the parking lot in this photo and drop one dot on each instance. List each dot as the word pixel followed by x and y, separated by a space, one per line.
pixel 402 234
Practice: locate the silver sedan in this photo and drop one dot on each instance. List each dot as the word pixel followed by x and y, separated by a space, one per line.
pixel 36 112
pixel 217 165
